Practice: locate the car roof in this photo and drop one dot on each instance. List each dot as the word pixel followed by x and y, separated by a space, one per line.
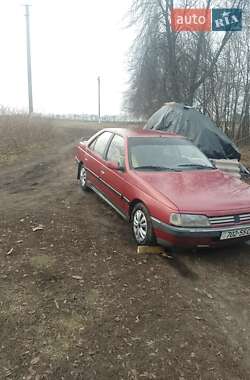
pixel 139 132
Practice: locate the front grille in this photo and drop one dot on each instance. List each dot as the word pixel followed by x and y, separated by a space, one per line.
pixel 231 219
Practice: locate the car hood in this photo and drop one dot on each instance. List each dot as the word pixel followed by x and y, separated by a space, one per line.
pixel 199 191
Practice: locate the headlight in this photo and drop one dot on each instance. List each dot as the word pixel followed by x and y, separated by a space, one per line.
pixel 189 220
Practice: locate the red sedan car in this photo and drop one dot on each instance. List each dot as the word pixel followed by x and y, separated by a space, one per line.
pixel 165 187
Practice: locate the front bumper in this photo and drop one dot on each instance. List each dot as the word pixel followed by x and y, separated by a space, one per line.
pixel 199 237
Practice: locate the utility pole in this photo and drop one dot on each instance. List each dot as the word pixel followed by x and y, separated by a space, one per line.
pixel 99 99
pixel 29 58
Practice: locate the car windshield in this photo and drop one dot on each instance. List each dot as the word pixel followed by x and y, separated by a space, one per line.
pixel 165 154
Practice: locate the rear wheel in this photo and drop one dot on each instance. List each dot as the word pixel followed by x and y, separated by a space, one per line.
pixel 83 178
pixel 142 228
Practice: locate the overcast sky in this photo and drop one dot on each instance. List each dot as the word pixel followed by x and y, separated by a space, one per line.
pixel 72 42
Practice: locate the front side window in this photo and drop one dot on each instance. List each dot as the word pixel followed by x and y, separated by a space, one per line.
pixel 163 153
pixel 100 143
pixel 116 152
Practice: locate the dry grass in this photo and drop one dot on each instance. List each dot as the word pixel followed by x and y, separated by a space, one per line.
pixel 19 132
pixel 246 155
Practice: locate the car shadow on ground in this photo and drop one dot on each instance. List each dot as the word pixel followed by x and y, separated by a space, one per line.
pixel 187 262
pixel 177 262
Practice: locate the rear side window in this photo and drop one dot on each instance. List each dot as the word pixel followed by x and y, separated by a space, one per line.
pixel 116 150
pixel 100 143
pixel 92 145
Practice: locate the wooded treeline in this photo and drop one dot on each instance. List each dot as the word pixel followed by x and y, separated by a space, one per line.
pixel 210 71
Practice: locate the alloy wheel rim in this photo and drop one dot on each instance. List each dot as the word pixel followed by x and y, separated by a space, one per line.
pixel 83 176
pixel 140 226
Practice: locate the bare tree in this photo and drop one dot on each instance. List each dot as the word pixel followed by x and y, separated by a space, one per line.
pixel 205 69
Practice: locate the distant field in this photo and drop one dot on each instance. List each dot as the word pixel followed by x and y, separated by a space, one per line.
pixel 88 124
pixel 19 134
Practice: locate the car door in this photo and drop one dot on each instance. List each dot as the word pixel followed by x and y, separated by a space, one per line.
pixel 115 180
pixel 94 158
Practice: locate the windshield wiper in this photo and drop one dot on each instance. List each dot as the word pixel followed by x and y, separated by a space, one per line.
pixel 157 168
pixel 196 166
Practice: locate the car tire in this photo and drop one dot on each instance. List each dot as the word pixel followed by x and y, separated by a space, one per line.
pixel 83 178
pixel 142 228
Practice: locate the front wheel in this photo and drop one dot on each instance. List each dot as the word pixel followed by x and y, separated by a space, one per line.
pixel 142 228
pixel 83 178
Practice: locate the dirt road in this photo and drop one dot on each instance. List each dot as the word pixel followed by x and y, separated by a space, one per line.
pixel 78 302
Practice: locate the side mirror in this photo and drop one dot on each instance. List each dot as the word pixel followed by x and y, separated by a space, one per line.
pixel 83 141
pixel 114 165
pixel 213 163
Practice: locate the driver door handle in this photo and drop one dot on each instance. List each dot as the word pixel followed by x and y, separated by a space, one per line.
pixel 102 172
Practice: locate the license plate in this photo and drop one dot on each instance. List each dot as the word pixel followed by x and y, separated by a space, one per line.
pixel 234 234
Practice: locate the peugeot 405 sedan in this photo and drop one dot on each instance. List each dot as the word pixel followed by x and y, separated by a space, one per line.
pixel 165 187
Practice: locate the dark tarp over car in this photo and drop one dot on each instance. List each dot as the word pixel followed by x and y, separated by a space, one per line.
pixel 186 121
